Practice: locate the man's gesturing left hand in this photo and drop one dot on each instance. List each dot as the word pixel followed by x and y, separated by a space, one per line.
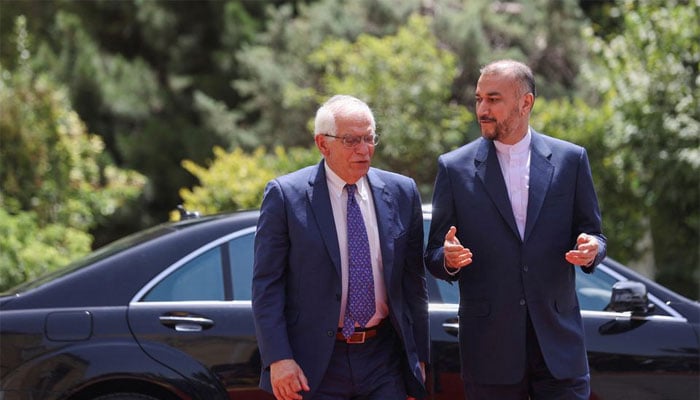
pixel 585 252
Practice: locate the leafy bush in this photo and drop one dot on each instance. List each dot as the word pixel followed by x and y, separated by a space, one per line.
pixel 618 189
pixel 28 250
pixel 236 180
pixel 56 183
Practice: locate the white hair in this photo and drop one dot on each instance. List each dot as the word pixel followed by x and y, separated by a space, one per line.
pixel 339 105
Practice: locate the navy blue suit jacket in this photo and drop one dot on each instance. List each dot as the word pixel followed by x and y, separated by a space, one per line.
pixel 510 277
pixel 297 278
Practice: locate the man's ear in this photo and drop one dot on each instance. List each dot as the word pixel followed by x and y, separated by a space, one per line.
pixel 322 144
pixel 528 102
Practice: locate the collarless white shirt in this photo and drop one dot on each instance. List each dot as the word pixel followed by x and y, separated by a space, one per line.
pixel 339 204
pixel 515 166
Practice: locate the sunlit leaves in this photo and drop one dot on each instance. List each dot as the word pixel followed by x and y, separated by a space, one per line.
pixel 56 181
pixel 236 180
pixel 649 75
pixel 406 80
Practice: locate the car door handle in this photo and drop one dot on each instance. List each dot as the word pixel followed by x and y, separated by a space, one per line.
pixel 186 323
pixel 451 327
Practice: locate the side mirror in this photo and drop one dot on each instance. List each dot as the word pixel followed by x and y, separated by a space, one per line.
pixel 629 296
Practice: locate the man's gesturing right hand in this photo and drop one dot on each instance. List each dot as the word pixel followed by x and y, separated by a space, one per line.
pixel 456 255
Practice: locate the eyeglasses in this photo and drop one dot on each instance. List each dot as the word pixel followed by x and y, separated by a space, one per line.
pixel 351 141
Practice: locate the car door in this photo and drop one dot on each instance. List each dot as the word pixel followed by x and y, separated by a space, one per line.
pixel 651 356
pixel 630 356
pixel 196 318
pixel 443 377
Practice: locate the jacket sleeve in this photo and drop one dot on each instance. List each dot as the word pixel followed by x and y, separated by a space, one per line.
pixel 416 281
pixel 443 216
pixel 587 217
pixel 269 269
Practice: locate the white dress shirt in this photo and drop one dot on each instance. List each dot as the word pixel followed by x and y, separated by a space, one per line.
pixel 515 166
pixel 339 204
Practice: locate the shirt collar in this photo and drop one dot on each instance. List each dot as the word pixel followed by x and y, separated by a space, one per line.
pixel 336 184
pixel 521 147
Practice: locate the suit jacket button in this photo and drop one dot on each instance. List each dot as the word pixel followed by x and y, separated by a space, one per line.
pixel 522 302
pixel 330 333
pixel 525 268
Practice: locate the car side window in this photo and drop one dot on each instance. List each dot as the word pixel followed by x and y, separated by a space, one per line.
pixel 593 290
pixel 241 261
pixel 449 292
pixel 199 279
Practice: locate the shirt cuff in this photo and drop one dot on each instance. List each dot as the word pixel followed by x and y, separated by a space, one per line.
pixel 451 271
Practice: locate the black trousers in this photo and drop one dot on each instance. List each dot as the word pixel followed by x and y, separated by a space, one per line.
pixel 538 383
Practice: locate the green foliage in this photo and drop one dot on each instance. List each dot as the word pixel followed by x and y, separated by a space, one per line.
pixel 236 180
pixel 165 81
pixel 152 77
pixel 29 249
pixel 545 34
pixel 405 78
pixel 50 160
pixel 51 165
pixel 649 76
pixel 119 97
pixel 476 32
pixel 279 57
pixel 162 81
pixel 418 77
pixel 617 188
pixel 125 89
pixel 55 181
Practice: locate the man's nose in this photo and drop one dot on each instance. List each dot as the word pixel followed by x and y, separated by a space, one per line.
pixel 362 147
pixel 481 109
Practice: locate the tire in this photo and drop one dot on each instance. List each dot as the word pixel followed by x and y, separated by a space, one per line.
pixel 125 396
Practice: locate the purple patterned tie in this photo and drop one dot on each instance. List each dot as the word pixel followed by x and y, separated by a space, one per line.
pixel 360 306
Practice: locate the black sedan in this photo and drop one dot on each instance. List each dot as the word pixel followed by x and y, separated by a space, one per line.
pixel 165 314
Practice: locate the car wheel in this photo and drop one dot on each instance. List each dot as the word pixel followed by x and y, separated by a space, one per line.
pixel 125 396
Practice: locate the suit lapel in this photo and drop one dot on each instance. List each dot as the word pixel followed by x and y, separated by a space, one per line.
pixel 489 171
pixel 323 213
pixel 386 221
pixel 541 172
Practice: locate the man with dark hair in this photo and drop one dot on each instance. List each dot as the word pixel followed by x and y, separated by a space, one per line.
pixel 514 212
